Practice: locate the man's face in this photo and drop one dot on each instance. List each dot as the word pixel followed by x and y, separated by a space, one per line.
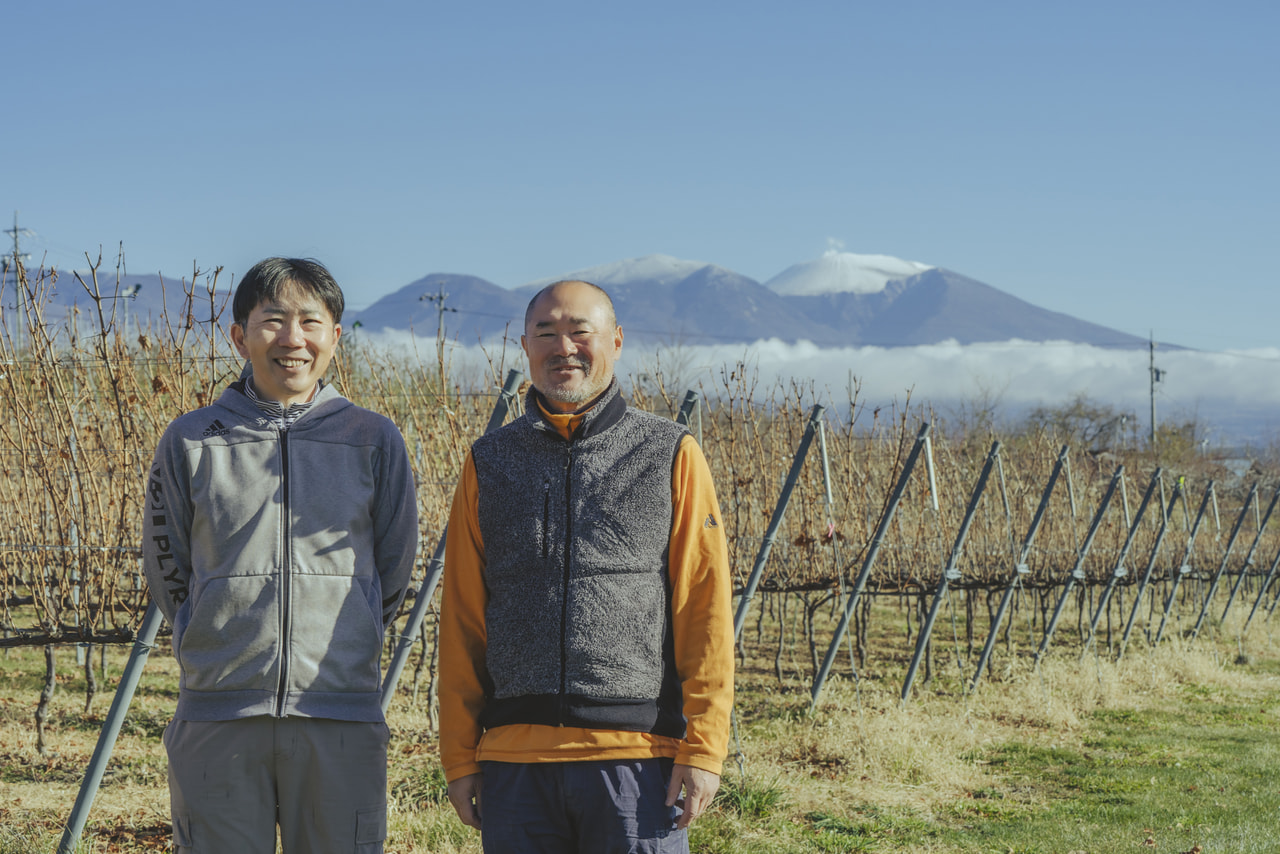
pixel 290 343
pixel 571 344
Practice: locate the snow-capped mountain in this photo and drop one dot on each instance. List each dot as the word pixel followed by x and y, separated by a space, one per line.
pixel 941 305
pixel 659 269
pixel 667 299
pixel 841 299
pixel 843 272
pixel 838 300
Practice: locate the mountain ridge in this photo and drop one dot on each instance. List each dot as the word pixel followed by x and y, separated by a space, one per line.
pixel 839 300
pixel 664 299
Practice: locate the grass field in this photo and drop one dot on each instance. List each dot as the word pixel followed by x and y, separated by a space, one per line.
pixel 1175 749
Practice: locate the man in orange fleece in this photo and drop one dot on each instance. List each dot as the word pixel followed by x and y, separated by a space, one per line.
pixel 586 671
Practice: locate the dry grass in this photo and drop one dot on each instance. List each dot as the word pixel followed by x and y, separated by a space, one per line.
pixel 863 750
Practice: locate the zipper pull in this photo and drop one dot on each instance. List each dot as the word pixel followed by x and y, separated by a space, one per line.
pixel 546 516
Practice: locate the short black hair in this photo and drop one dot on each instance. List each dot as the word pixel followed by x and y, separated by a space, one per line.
pixel 267 279
pixel 608 300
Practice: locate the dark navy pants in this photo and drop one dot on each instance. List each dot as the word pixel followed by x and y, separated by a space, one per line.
pixel 580 808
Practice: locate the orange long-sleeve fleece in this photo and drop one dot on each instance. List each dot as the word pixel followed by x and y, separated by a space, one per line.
pixel 702 625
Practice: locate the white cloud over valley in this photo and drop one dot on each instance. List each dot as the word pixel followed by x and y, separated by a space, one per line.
pixel 1235 393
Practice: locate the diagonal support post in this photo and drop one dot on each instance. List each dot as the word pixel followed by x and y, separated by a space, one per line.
pixel 1151 565
pixel 1248 558
pixel 1120 570
pixel 873 549
pixel 142 647
pixel 950 572
pixel 1184 566
pixel 1217 576
pixel 1266 584
pixel 775 522
pixel 1019 569
pixel 1077 572
pixel 687 407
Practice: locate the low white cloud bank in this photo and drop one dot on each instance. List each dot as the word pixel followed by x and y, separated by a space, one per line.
pixel 1236 392
pixel 1017 371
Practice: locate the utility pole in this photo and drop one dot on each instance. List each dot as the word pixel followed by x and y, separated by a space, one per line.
pixel 129 293
pixel 11 262
pixel 1156 376
pixel 438 298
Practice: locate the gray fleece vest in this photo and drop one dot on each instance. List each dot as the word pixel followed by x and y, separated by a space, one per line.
pixel 576 536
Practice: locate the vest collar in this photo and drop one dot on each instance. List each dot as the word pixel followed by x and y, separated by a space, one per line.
pixel 603 414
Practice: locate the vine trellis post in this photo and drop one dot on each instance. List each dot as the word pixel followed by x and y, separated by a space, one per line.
pixel 873 549
pixel 828 503
pixel 1262 592
pixel 1248 558
pixel 142 647
pixel 950 572
pixel 1151 565
pixel 1077 572
pixel 687 408
pixel 1184 566
pixel 1119 571
pixel 1222 567
pixel 775 522
pixel 1020 568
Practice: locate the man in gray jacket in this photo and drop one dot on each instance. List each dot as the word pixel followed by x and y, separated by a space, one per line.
pixel 280 532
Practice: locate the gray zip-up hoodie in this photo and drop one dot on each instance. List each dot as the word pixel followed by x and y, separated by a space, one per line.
pixel 279 556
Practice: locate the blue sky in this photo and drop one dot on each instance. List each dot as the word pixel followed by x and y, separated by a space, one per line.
pixel 1116 161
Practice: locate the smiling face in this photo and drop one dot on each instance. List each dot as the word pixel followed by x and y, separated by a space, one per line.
pixel 572 341
pixel 290 342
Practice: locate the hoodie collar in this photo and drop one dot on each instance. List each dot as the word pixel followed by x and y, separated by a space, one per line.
pixel 326 399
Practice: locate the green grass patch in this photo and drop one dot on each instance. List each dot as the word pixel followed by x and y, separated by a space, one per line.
pixel 750 799
pixel 1199 773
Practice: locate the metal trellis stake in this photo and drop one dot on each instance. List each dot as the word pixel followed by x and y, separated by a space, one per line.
pixel 1151 565
pixel 1077 572
pixel 762 557
pixel 1217 576
pixel 1248 559
pixel 1019 569
pixel 1184 568
pixel 686 408
pixel 873 549
pixel 111 728
pixel 950 573
pixel 1271 609
pixel 1262 592
pixel 1120 570
pixel 829 503
pixel 435 567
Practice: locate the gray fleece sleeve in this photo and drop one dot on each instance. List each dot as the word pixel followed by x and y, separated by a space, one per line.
pixel 395 524
pixel 166 527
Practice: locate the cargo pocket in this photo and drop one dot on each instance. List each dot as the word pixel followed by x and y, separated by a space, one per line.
pixel 371 830
pixel 182 833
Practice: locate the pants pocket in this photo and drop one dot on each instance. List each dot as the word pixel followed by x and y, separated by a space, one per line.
pixel 371 830
pixel 182 833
